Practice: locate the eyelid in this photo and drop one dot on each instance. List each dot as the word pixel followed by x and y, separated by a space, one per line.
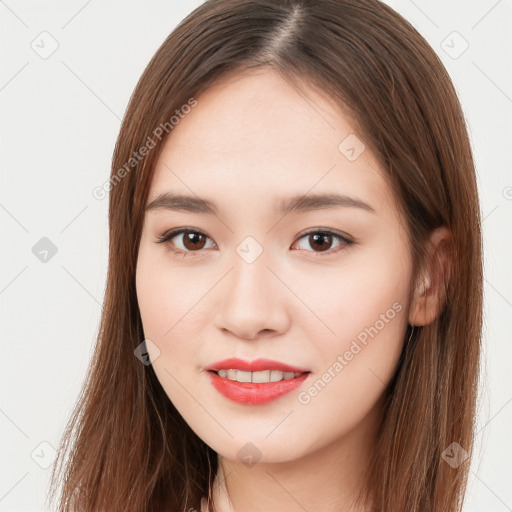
pixel 345 240
pixel 327 231
pixel 169 235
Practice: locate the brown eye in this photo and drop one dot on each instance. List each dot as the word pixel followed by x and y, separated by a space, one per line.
pixel 185 241
pixel 321 241
pixel 193 240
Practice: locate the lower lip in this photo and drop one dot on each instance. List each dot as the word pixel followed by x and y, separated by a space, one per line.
pixel 254 393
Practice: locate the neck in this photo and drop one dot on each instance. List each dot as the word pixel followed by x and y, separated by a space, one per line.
pixel 328 479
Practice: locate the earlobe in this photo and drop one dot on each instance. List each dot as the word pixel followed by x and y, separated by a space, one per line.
pixel 430 291
pixel 424 306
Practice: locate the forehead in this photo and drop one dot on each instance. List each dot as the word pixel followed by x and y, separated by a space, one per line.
pixel 254 134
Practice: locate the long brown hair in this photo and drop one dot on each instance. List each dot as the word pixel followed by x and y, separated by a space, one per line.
pixel 126 448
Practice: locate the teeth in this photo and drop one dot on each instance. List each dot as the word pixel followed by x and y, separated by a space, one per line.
pixel 261 376
pixel 231 374
pixel 243 376
pixel 275 375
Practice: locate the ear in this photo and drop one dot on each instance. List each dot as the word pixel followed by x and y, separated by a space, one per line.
pixel 430 289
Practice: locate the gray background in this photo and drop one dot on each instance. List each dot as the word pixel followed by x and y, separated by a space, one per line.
pixel 68 69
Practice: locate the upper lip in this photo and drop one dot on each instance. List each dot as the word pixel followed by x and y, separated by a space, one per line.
pixel 253 366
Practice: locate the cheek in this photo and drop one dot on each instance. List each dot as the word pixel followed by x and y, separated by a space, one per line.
pixel 165 297
pixel 351 295
pixel 168 304
pixel 173 307
pixel 365 310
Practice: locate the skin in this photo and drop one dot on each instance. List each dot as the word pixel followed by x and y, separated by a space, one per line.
pixel 251 141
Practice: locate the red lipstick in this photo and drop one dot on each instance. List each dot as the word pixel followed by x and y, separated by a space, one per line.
pixel 253 393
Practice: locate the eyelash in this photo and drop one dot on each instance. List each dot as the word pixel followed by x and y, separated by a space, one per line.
pixel 167 237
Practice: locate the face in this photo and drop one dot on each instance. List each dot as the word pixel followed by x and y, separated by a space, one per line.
pixel 320 285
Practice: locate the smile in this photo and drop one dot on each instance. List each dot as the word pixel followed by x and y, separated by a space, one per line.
pixel 260 377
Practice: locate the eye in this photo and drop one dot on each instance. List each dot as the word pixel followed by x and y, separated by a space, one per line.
pixel 192 241
pixel 323 240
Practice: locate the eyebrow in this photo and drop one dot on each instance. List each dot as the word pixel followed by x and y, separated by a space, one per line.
pixel 299 203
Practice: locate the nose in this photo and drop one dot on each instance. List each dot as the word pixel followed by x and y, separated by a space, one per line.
pixel 253 302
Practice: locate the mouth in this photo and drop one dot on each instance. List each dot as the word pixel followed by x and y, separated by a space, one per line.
pixel 259 377
pixel 256 366
pixel 256 382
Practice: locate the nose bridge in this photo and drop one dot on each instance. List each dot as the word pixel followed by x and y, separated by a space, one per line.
pixel 251 298
pixel 250 275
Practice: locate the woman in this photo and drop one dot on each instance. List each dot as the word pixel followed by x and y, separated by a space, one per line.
pixel 292 318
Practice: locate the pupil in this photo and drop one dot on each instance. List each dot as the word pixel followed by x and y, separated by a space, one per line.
pixel 194 240
pixel 322 246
